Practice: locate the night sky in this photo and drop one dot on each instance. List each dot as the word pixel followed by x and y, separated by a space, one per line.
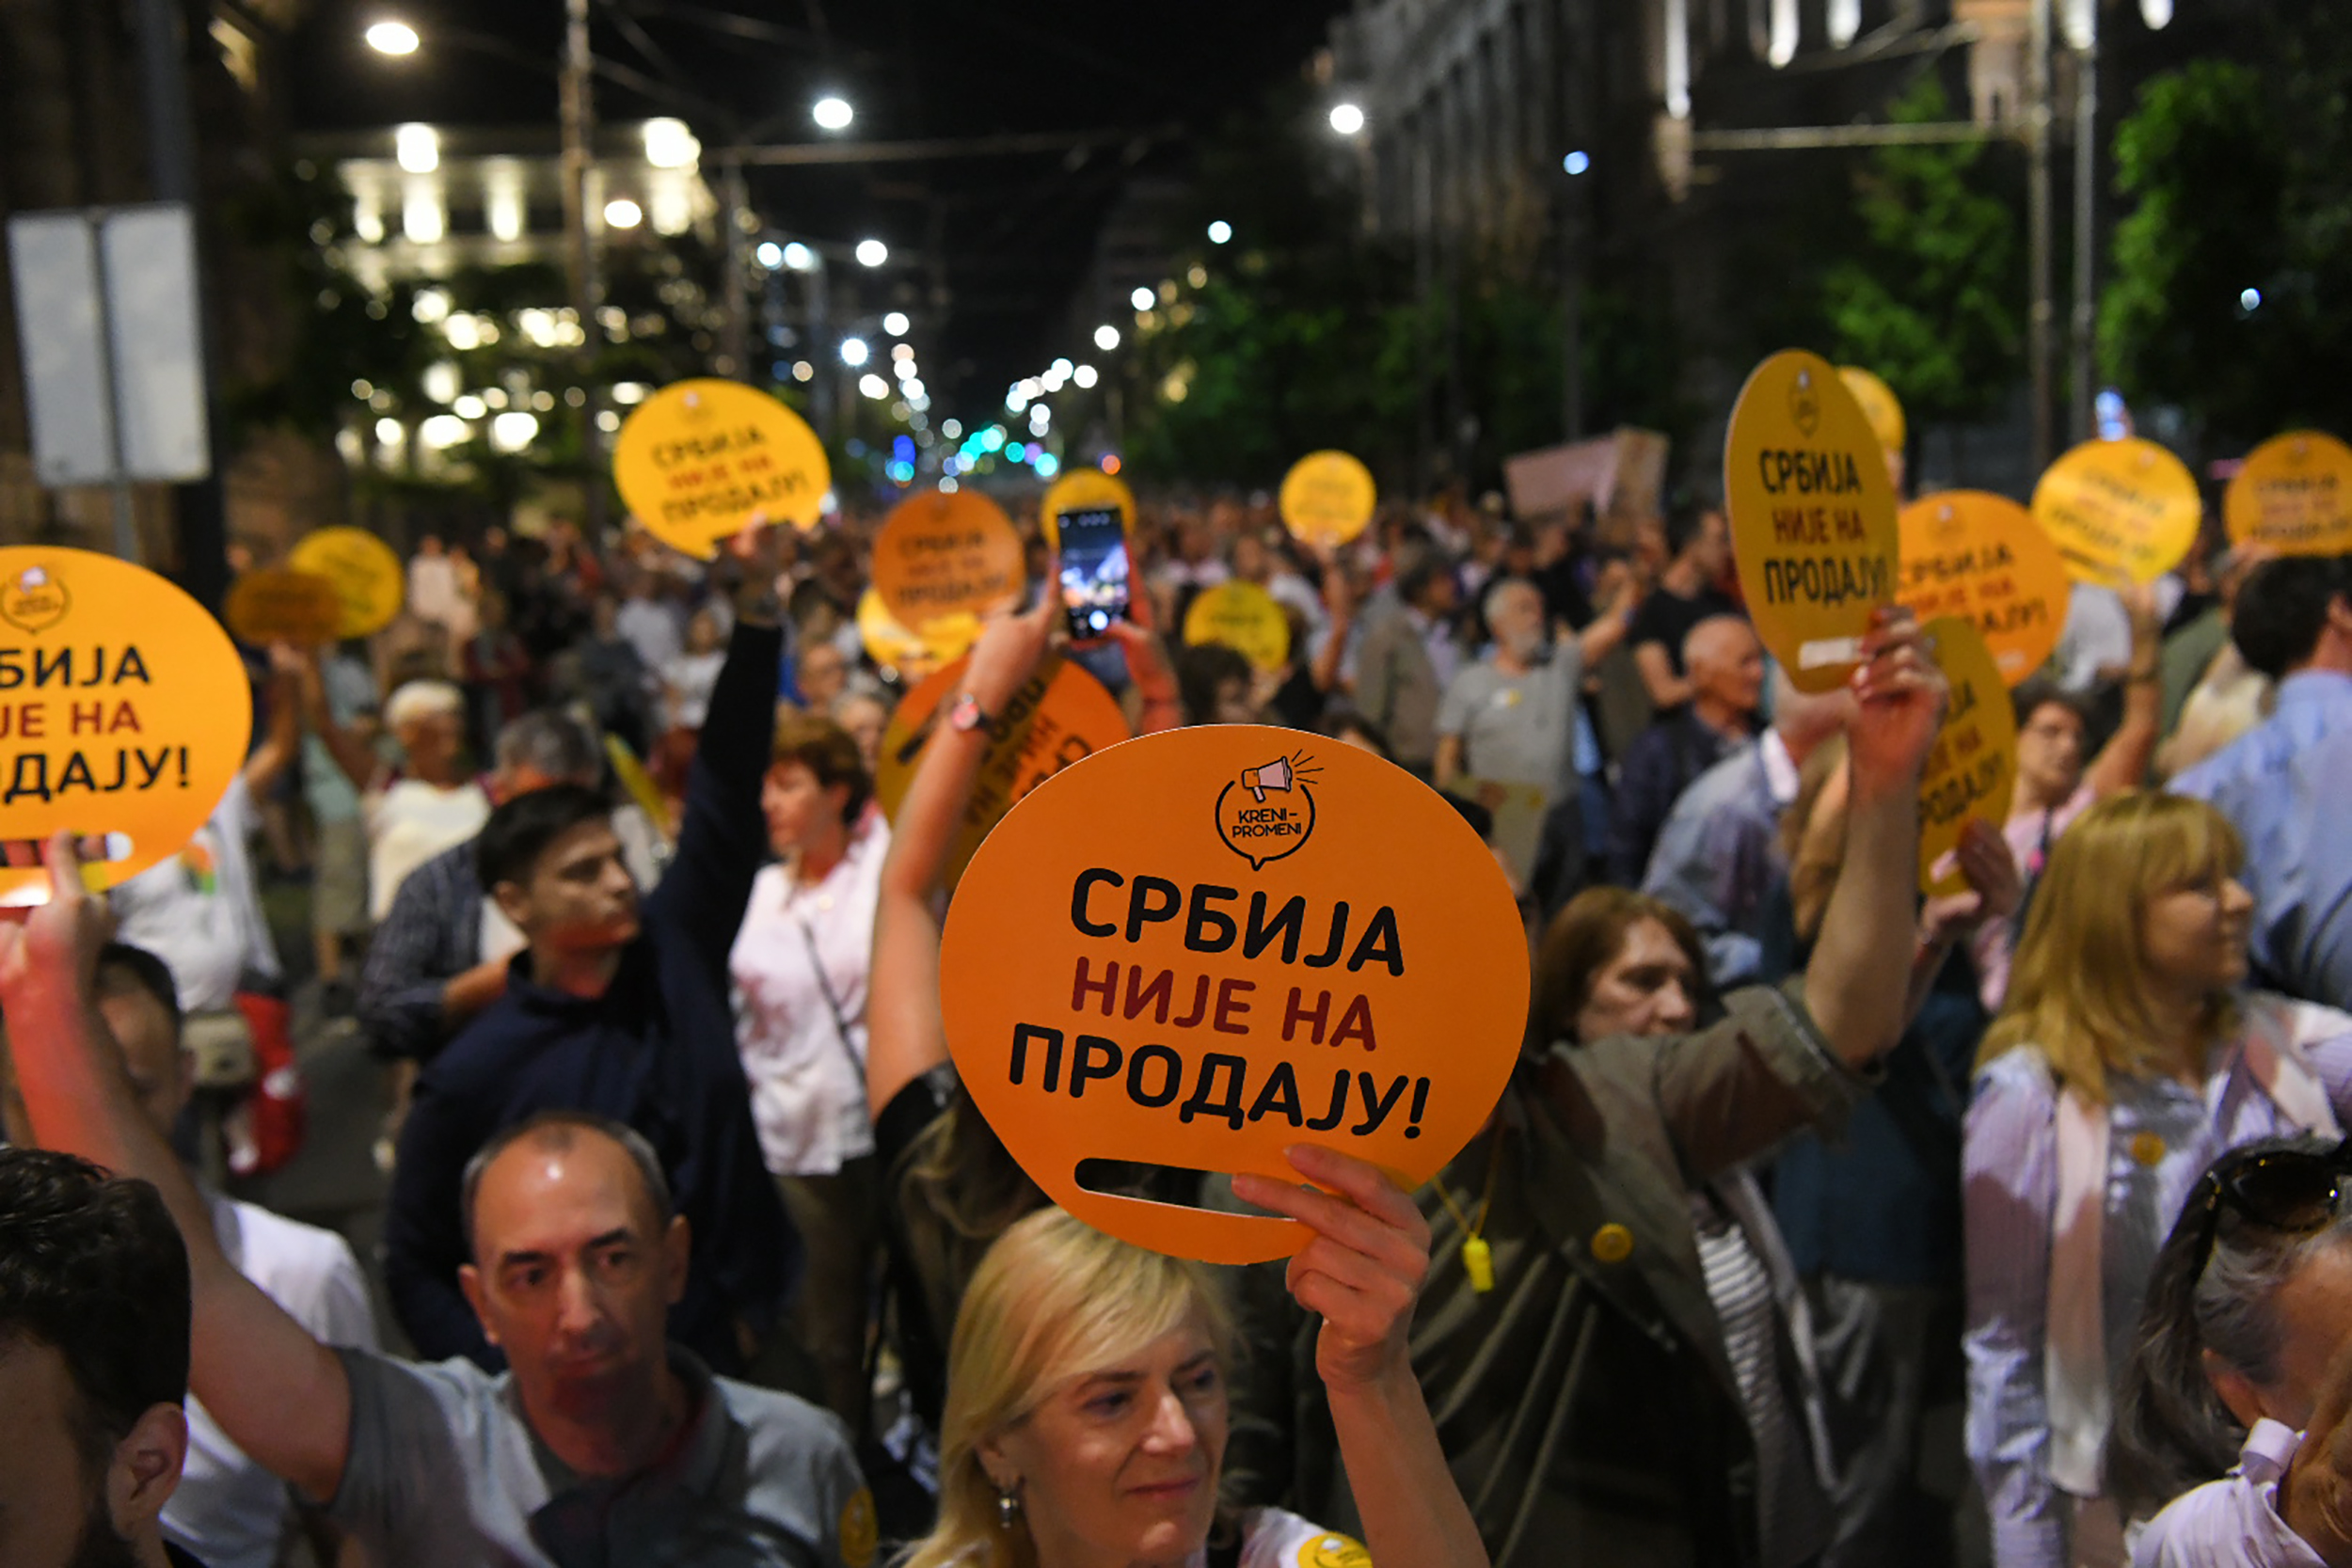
pixel 1017 232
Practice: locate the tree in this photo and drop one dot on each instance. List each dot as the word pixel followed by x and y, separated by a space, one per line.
pixel 1928 297
pixel 2229 295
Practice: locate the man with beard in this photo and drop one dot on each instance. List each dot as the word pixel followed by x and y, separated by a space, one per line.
pixel 1511 717
pixel 93 1366
pixel 602 1445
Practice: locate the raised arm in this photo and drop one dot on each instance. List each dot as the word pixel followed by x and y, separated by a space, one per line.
pixel 1363 1273
pixel 906 1037
pixel 1622 596
pixel 2123 762
pixel 1657 666
pixel 349 750
pixel 279 1393
pixel 722 837
pixel 1853 985
pixel 283 737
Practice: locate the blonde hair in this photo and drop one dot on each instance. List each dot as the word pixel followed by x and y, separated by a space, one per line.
pixel 2078 989
pixel 1054 1300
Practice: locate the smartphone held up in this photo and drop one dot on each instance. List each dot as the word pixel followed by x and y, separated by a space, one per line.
pixel 1094 572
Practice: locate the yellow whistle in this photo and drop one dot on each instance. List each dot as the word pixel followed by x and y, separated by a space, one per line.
pixel 1478 1262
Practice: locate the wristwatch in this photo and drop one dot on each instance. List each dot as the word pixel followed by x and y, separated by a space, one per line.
pixel 966 716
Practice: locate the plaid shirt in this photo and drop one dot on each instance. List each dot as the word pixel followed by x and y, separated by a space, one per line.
pixel 432 934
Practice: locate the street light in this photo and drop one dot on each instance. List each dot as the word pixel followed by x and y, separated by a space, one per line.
pixel 416 148
pixel 831 113
pixel 771 254
pixel 1220 231
pixel 896 323
pixel 873 253
pixel 1141 299
pixel 392 37
pixel 1347 119
pixel 853 352
pixel 1106 337
pixel 621 213
pixel 1577 162
pixel 799 257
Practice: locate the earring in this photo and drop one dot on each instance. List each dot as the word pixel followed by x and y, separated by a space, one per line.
pixel 1008 1506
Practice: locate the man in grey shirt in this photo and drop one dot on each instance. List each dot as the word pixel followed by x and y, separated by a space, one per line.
pixel 603 1445
pixel 1511 717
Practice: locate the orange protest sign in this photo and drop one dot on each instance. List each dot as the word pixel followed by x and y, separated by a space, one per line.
pixel 1812 516
pixel 1982 557
pixel 2118 509
pixel 1203 946
pixel 1061 716
pixel 699 460
pixel 1971 772
pixel 1083 490
pixel 1246 618
pixel 894 647
pixel 2293 493
pixel 948 552
pixel 366 575
pixel 123 711
pixel 1326 498
pixel 277 605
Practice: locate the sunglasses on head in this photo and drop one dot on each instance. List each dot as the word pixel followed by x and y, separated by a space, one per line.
pixel 2293 1190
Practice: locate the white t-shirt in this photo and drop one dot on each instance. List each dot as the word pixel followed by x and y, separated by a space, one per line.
pixel 227 1511
pixel 1273 1538
pixel 689 679
pixel 808 1093
pixel 410 823
pixel 199 910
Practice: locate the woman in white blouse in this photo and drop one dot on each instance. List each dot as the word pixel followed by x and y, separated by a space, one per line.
pixel 800 967
pixel 2127 1057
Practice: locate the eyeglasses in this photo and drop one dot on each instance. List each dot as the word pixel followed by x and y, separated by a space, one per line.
pixel 2293 1190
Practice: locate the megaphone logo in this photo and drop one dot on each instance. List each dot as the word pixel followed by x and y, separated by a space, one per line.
pixel 1258 830
pixel 1274 775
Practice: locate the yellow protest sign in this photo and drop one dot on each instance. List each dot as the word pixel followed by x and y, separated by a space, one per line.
pixel 2118 509
pixel 366 575
pixel 1880 405
pixel 1984 558
pixel 2293 494
pixel 949 553
pixel 1246 618
pixel 1971 771
pixel 1061 715
pixel 278 605
pixel 894 647
pixel 1083 490
pixel 700 460
pixel 1326 498
pixel 124 711
pixel 1812 516
pixel 1203 946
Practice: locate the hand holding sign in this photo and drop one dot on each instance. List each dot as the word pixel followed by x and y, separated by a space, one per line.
pixel 123 710
pixel 1214 978
pixel 1812 516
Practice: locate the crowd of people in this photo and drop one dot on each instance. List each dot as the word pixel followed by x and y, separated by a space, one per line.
pixel 1803 1186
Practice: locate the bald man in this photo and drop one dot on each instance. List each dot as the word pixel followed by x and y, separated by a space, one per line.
pixel 602 1443
pixel 1724 665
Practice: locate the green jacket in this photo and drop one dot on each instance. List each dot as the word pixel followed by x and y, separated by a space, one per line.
pixel 1586 1404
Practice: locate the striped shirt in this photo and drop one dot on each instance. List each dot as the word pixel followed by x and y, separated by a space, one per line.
pixel 1791 1507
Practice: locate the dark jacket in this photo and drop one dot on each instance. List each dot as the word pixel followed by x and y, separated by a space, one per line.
pixel 656 1051
pixel 1663 762
pixel 1586 1406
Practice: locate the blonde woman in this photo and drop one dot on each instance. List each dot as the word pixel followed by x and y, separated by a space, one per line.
pixel 2127 1057
pixel 1086 1420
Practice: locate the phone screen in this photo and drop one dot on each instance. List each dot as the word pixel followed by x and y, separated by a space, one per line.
pixel 1093 572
